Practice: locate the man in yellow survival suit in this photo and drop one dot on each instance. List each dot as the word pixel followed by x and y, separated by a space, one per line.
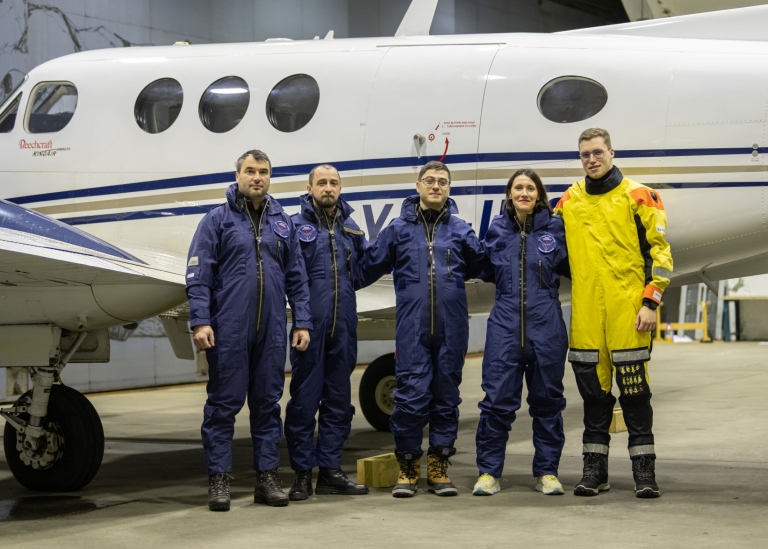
pixel 620 265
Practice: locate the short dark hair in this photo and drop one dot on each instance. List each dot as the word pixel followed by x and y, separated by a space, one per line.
pixel 329 166
pixel 434 165
pixel 592 133
pixel 542 202
pixel 258 156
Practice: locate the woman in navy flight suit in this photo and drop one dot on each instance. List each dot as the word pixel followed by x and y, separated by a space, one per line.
pixel 526 334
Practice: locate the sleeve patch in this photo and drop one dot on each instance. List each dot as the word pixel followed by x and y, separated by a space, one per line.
pixel 194 260
pixel 661 229
pixel 191 275
pixel 657 295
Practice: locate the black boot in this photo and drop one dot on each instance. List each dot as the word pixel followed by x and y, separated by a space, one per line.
pixel 644 472
pixel 218 492
pixel 334 481
pixel 595 477
pixel 268 489
pixel 302 486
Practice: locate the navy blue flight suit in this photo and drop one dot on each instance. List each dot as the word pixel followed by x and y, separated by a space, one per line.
pixel 240 269
pixel 526 336
pixel 432 318
pixel 320 378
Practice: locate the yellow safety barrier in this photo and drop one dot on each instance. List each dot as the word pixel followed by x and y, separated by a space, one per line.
pixel 683 325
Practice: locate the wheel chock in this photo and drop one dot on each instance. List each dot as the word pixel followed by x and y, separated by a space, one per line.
pixel 378 471
pixel 617 422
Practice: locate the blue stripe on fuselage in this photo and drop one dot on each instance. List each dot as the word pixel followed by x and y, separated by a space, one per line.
pixel 351 165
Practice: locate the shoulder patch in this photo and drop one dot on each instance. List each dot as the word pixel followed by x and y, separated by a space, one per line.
pixel 546 243
pixel 643 196
pixel 281 228
pixel 307 233
pixel 350 230
pixel 194 260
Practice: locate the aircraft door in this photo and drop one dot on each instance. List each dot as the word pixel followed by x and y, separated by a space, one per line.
pixel 426 105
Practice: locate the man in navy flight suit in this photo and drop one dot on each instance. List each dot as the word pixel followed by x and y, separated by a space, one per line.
pixel 331 243
pixel 244 258
pixel 431 253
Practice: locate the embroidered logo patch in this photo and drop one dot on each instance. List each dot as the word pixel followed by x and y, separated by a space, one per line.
pixel 281 228
pixel 661 229
pixel 546 243
pixel 307 233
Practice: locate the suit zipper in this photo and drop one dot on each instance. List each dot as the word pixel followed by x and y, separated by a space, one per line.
pixel 259 262
pixel 431 269
pixel 448 262
pixel 277 254
pixel 335 263
pixel 523 296
pixel 349 262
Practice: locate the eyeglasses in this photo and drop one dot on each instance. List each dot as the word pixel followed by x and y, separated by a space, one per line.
pixel 430 181
pixel 597 153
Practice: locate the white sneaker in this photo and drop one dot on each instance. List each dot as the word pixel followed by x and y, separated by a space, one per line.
pixel 486 485
pixel 549 485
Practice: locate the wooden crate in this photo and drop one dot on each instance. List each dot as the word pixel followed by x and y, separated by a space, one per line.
pixel 378 471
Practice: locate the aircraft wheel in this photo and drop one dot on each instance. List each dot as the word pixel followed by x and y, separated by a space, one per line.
pixel 71 453
pixel 377 388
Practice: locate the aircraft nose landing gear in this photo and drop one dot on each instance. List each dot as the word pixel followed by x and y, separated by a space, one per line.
pixel 53 438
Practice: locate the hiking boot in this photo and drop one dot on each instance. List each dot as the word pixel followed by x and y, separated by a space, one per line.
pixel 302 486
pixel 410 472
pixel 644 472
pixel 486 485
pixel 268 489
pixel 549 485
pixel 437 471
pixel 595 478
pixel 334 481
pixel 218 492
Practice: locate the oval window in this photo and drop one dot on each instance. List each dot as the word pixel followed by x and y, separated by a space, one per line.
pixel 571 99
pixel 158 105
pixel 293 102
pixel 53 104
pixel 224 103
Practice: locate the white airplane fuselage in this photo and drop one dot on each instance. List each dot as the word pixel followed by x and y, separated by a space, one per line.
pixel 687 117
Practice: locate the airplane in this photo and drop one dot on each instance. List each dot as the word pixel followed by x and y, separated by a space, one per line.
pixel 111 157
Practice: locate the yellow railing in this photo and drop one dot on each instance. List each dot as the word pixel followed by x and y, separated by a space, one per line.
pixel 672 326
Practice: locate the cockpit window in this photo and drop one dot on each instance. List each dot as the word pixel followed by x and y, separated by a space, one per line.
pixel 158 105
pixel 224 103
pixel 8 117
pixel 293 102
pixel 53 104
pixel 571 99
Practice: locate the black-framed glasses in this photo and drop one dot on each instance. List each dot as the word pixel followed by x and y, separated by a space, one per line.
pixel 430 181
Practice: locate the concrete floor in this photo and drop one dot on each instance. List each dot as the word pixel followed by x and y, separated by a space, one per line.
pixel 711 417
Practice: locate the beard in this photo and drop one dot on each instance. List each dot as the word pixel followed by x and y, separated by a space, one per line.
pixel 327 201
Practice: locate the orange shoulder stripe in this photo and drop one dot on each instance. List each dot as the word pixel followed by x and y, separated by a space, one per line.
pixel 644 196
pixel 563 199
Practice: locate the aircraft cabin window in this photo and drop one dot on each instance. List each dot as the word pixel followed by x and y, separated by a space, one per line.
pixel 158 105
pixel 293 102
pixel 53 104
pixel 571 99
pixel 8 117
pixel 224 103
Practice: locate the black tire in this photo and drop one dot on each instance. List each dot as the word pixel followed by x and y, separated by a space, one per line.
pixel 376 388
pixel 79 426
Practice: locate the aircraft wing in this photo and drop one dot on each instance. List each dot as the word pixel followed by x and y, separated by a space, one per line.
pixel 53 273
pixel 749 23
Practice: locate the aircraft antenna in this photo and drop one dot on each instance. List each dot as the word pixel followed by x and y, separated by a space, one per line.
pixel 418 18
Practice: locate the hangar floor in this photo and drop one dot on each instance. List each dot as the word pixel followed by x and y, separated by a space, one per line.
pixel 711 417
